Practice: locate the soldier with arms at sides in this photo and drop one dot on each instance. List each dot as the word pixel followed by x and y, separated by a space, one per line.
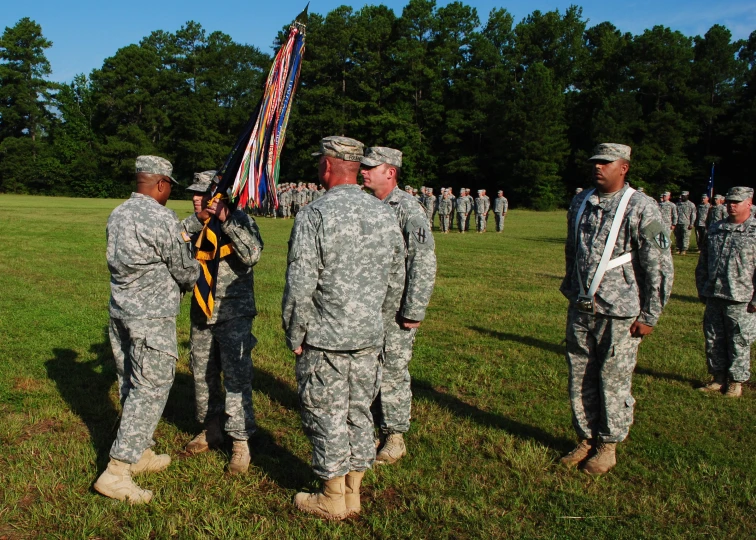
pixel 618 279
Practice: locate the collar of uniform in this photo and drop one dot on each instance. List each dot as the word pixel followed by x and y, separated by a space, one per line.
pixel 726 225
pixel 142 196
pixel 340 187
pixel 394 195
pixel 605 203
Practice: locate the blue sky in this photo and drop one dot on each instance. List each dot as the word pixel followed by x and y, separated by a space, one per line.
pixel 86 32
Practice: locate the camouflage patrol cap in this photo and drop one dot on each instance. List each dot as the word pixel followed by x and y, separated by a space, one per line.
pixel 666 194
pixel 610 152
pixel 718 197
pixel 704 196
pixel 407 187
pixel 685 193
pixel 155 165
pixel 202 181
pixel 738 194
pixel 341 147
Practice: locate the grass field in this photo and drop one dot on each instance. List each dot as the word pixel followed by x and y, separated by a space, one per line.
pixel 490 414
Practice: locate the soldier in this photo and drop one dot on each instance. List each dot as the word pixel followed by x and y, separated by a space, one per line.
pixel 615 239
pixel 224 342
pixel 501 205
pixel 445 209
pixel 285 202
pixel 482 207
pixel 344 284
pixel 686 218
pixel 463 209
pixel 668 212
pixel 717 212
pixel 702 215
pixel 578 191
pixel 381 170
pixel 429 203
pixel 453 200
pixel 150 263
pixel 725 278
pixel 470 205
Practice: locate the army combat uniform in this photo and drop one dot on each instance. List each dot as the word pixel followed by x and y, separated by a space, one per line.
pixel 686 218
pixel 501 206
pixel 482 207
pixel 601 352
pixel 344 283
pixel 702 213
pixel 224 342
pixel 445 209
pixel 464 207
pixel 725 278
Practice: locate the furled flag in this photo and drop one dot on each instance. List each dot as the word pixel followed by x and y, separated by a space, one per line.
pixel 710 187
pixel 250 173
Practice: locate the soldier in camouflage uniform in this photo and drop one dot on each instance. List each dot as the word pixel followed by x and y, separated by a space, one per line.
pixel 463 210
pixel 725 278
pixel 501 205
pixel 381 169
pixel 344 283
pixel 686 219
pixel 285 202
pixel 608 318
pixel 702 215
pixel 224 342
pixel 717 212
pixel 445 209
pixel 482 207
pixel 150 264
pixel 429 204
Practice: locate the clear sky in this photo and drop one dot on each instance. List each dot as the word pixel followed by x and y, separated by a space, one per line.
pixel 86 32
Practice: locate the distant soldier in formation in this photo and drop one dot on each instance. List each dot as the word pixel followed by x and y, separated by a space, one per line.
pixel 223 343
pixel 725 278
pixel 668 211
pixel 501 205
pixel 429 203
pixel 471 208
pixel 381 169
pixel 344 283
pixel 463 209
pixel 151 265
pixel 702 214
pixel 686 219
pixel 445 209
pixel 578 191
pixel 717 212
pixel 453 200
pixel 284 202
pixel 482 207
pixel 609 315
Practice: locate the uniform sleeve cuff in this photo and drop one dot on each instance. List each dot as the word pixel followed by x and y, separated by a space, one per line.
pixel 413 314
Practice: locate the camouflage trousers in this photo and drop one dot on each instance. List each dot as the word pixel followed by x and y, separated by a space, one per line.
pixel 451 220
pixel 462 222
pixel 481 221
pixel 682 235
pixel 336 389
pixel 601 355
pixel 443 220
pixel 285 210
pixel 700 237
pixel 499 221
pixel 395 397
pixel 224 347
pixel 145 353
pixel 729 331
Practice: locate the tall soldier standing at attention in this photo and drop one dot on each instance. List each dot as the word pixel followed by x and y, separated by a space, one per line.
pixel 668 211
pixel 445 209
pixel 381 170
pixel 482 207
pixel 151 263
pixel 618 278
pixel 344 285
pixel 501 205
pixel 686 219
pixel 725 278
pixel 224 342
pixel 717 212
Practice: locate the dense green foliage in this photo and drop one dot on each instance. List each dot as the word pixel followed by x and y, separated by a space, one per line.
pixel 492 103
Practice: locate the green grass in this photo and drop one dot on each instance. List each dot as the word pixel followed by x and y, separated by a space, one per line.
pixel 490 415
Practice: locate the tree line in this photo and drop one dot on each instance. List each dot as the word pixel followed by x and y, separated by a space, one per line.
pixel 498 104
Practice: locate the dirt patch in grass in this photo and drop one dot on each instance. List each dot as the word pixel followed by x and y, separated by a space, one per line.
pixel 45 426
pixel 27 384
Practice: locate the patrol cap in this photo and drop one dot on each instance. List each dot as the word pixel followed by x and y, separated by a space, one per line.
pixel 666 194
pixel 704 196
pixel 740 193
pixel 202 181
pixel 155 165
pixel 610 152
pixel 718 197
pixel 685 193
pixel 341 147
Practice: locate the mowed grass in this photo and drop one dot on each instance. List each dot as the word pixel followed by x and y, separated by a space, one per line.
pixel 491 414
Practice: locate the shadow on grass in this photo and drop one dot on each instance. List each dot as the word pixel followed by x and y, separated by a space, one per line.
pixel 276 389
pixel 85 386
pixel 525 340
pixel 686 298
pixel 693 383
pixel 546 239
pixel 279 464
pixel 424 389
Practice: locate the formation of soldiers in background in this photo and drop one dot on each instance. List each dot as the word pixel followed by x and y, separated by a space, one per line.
pixel 293 197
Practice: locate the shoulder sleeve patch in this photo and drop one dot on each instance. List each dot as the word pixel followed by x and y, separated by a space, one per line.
pixel 656 233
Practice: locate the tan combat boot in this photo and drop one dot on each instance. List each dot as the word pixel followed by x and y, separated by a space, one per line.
pixel 716 384
pixel 603 461
pixel 151 462
pixel 352 492
pixel 734 389
pixel 578 454
pixel 240 458
pixel 330 504
pixel 211 436
pixel 393 450
pixel 115 482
